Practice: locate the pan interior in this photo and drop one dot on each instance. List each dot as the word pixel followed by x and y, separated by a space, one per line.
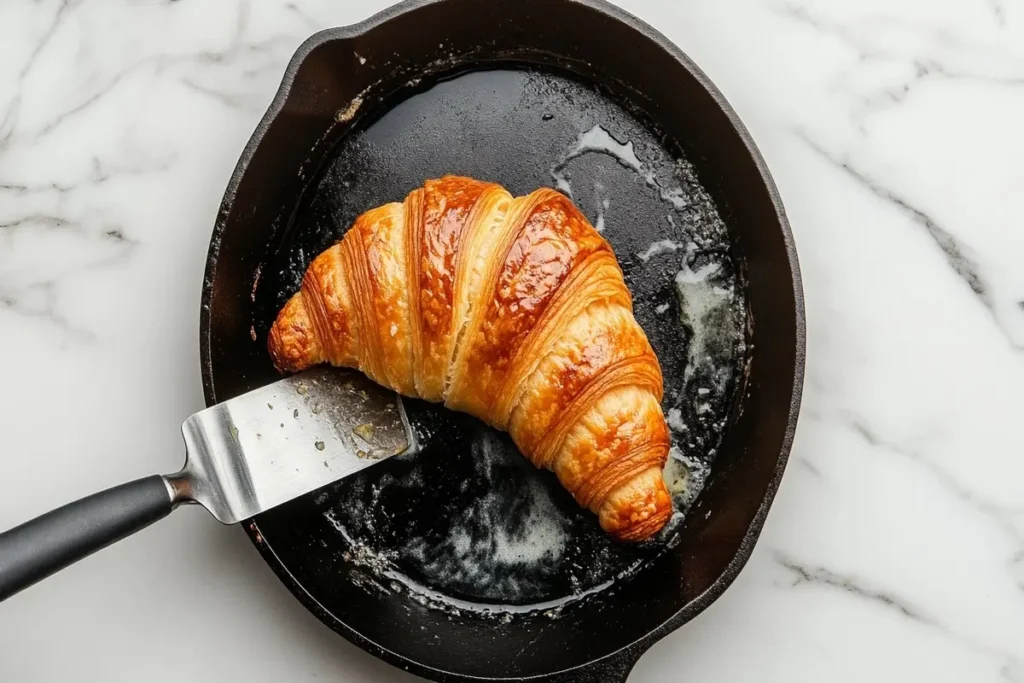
pixel 468 525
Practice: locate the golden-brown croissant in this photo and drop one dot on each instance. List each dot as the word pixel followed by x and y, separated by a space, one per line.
pixel 511 309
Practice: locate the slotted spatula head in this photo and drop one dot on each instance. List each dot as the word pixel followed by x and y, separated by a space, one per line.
pixel 264 448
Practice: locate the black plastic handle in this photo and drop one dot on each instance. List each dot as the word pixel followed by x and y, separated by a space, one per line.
pixel 50 542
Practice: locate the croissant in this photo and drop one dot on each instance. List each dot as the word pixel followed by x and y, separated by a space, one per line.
pixel 511 309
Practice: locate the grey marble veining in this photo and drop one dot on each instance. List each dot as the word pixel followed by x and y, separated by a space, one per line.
pixel 895 550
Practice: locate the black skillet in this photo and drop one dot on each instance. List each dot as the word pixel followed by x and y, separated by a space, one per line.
pixel 497 89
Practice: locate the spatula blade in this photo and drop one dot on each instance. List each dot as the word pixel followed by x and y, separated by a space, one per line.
pixel 264 448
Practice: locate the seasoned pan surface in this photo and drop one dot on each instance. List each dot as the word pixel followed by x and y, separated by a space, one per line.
pixel 468 523
pixel 464 561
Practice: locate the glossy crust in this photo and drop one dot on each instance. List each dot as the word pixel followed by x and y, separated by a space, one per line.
pixel 513 310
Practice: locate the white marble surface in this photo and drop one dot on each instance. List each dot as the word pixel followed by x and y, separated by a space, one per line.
pixel 895 130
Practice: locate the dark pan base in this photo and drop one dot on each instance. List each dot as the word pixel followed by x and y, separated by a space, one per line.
pixel 285 197
pixel 469 519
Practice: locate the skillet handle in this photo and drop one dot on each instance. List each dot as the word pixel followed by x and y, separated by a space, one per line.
pixel 612 669
pixel 42 546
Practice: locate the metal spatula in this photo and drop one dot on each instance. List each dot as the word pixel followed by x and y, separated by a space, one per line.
pixel 243 457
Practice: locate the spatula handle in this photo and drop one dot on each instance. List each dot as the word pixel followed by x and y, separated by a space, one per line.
pixel 42 546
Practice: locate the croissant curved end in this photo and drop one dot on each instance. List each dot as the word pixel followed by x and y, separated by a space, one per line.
pixel 292 341
pixel 639 509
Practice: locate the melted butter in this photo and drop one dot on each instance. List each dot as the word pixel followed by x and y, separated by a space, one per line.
pixel 599 140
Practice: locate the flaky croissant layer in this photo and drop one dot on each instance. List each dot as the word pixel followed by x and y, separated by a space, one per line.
pixel 511 309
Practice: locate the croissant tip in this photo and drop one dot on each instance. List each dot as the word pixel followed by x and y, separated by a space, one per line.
pixel 274 346
pixel 640 511
pixel 292 343
pixel 643 530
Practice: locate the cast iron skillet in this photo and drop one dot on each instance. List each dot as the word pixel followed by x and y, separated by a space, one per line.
pixel 357 123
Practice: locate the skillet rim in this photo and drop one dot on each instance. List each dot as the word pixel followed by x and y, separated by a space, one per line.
pixel 623 659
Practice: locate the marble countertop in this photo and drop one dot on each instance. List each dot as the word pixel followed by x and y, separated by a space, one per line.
pixel 895 549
